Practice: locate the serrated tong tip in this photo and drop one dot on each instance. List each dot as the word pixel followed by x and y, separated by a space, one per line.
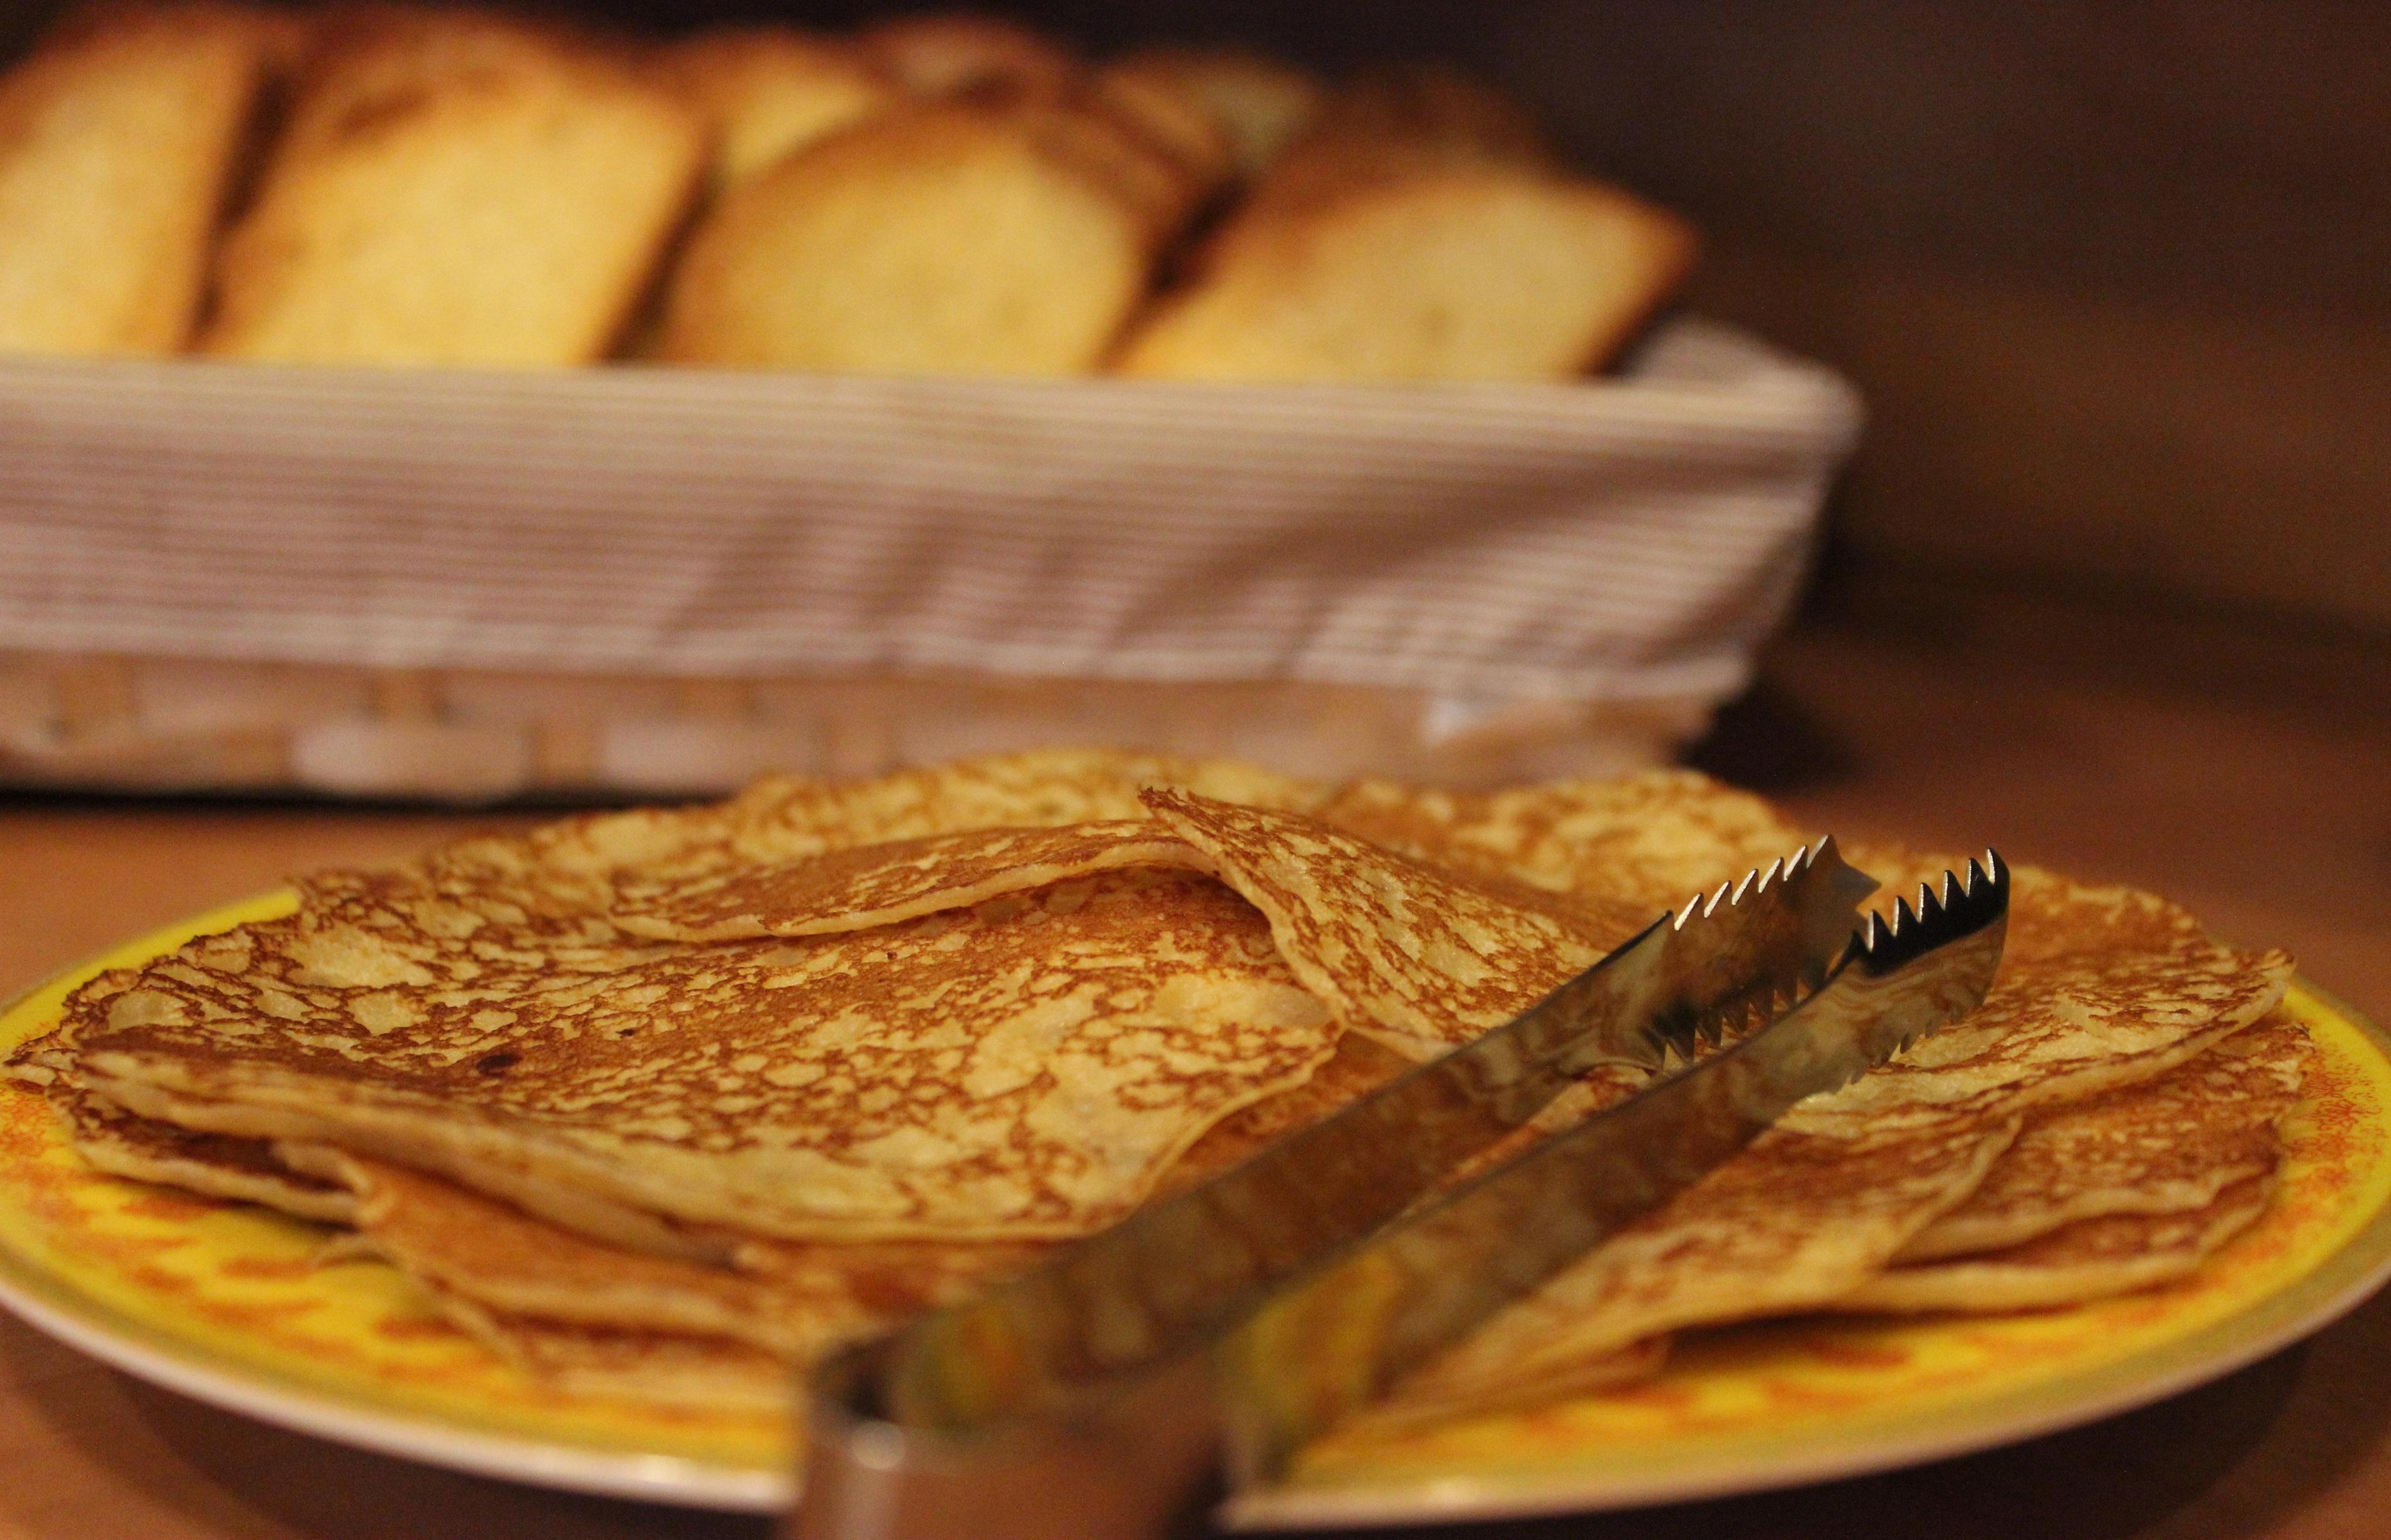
pixel 1754 882
pixel 1965 904
pixel 1779 930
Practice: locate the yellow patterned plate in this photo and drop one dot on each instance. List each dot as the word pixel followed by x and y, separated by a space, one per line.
pixel 227 1303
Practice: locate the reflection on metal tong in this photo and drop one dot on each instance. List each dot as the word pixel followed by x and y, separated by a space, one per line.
pixel 1108 1391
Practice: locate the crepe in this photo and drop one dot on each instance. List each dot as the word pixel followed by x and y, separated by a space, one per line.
pixel 457 1242
pixel 564 1305
pixel 1418 958
pixel 668 1368
pixel 246 1170
pixel 145 1150
pixel 2087 1260
pixel 2099 987
pixel 1025 1067
pixel 582 861
pixel 1421 959
pixel 789 1300
pixel 1796 1221
pixel 576 1311
pixel 779 818
pixel 1421 1400
pixel 877 885
pixel 2164 1148
pixel 1643 842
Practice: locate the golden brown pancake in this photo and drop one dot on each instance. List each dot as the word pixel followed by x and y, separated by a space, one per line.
pixel 1422 1400
pixel 451 1238
pixel 1023 1068
pixel 117 1142
pixel 2099 987
pixel 575 866
pixel 603 1320
pixel 784 818
pixel 218 1165
pixel 1402 950
pixel 544 1291
pixel 553 1298
pixel 668 1368
pixel 1420 959
pixel 789 1299
pixel 2169 1145
pixel 877 885
pixel 2088 1259
pixel 1796 1221
pixel 1358 1067
pixel 1645 842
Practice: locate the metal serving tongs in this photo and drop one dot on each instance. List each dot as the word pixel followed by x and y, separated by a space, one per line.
pixel 1106 1391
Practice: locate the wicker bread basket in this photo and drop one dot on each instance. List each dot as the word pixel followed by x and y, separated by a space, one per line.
pixel 644 582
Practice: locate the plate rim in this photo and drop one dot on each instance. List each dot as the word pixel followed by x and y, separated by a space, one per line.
pixel 94 1327
pixel 98 1329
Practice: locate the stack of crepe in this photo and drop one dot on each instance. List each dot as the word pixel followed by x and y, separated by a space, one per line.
pixel 664 1103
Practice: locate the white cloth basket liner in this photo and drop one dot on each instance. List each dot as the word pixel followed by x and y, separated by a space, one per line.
pixel 1483 545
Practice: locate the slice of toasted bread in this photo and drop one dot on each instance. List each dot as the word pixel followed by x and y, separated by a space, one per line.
pixel 769 90
pixel 1261 105
pixel 371 57
pixel 1178 127
pixel 454 188
pixel 118 139
pixel 1163 176
pixel 946 238
pixel 1395 122
pixel 941 54
pixel 1483 272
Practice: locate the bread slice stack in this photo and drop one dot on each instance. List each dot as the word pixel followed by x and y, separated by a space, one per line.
pixel 120 140
pixel 457 188
pixel 1420 230
pixel 397 182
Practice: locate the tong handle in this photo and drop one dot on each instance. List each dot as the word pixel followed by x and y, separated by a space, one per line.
pixel 1143 1467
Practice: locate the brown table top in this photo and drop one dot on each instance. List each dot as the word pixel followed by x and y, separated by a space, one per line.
pixel 2244 776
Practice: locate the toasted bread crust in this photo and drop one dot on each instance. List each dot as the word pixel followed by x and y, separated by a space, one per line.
pixel 456 189
pixel 772 90
pixel 1177 127
pixel 948 237
pixel 1460 272
pixel 1418 230
pixel 119 137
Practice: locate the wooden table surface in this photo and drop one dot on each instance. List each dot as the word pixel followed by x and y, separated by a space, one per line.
pixel 2244 775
